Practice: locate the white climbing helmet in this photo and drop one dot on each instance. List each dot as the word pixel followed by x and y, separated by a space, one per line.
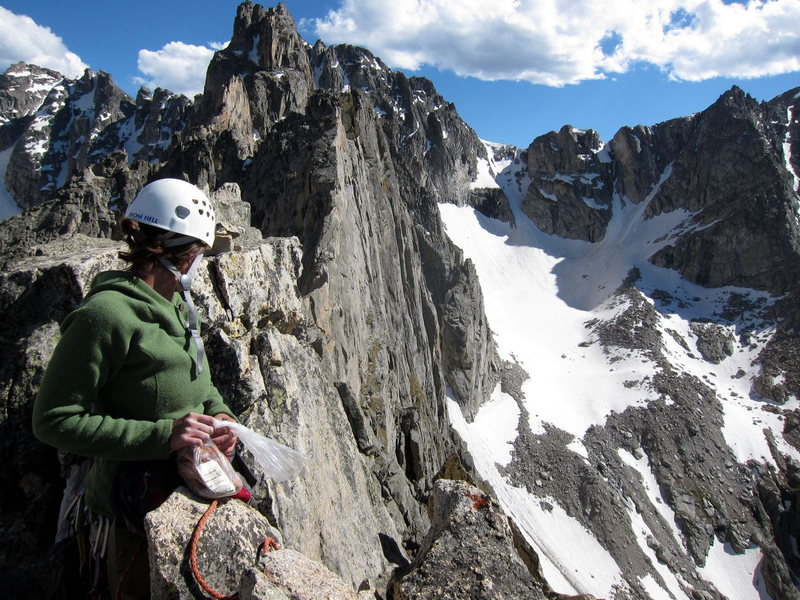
pixel 178 207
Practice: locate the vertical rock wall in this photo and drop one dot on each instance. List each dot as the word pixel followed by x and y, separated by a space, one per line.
pixel 339 334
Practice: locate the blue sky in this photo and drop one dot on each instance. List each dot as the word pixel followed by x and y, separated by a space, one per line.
pixel 515 69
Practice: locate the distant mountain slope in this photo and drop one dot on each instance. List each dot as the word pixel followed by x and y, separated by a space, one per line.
pixel 649 420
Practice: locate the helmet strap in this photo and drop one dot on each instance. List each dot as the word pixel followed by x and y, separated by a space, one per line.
pixel 193 324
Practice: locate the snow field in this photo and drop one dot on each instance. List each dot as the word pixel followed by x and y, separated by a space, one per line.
pixel 539 293
pixel 571 385
pixel 496 426
pixel 8 206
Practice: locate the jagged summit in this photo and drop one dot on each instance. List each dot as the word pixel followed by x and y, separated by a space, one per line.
pixel 268 37
pixel 22 88
pixel 265 73
pixel 694 164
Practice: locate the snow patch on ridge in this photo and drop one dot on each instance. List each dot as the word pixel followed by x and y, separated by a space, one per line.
pixel 489 168
pixel 130 137
pixel 787 151
pixel 787 157
pixel 548 195
pixel 254 56
pixel 572 560
pixel 653 491
pixel 735 575
pixel 592 203
pixel 8 206
pixel 485 178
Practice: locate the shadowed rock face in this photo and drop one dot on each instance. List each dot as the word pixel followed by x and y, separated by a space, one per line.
pixel 732 173
pixel 571 184
pixel 725 166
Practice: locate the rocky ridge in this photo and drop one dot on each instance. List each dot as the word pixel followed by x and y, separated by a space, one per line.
pixel 364 387
pixel 692 164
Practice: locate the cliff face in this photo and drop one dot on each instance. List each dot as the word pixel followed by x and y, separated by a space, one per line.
pixel 347 324
pixel 341 342
pixel 726 165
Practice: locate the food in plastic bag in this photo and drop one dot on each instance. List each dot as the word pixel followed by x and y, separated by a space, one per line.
pixel 207 471
pixel 278 462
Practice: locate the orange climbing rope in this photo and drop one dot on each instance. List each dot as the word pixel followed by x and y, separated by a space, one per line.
pixel 269 544
pixel 193 555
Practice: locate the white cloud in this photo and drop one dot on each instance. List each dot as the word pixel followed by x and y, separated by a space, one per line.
pixel 178 67
pixel 557 42
pixel 22 39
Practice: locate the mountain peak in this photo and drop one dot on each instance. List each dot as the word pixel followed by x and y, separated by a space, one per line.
pixel 736 97
pixel 23 68
pixel 268 37
pixel 411 273
pixel 23 87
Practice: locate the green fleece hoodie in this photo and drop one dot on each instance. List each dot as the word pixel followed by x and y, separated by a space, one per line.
pixel 123 369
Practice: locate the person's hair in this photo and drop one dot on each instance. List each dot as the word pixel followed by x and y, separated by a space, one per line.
pixel 146 245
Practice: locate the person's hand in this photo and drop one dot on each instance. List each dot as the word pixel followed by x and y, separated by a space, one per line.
pixel 223 437
pixel 191 430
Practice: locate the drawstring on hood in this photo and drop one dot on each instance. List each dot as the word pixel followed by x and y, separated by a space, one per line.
pixel 193 324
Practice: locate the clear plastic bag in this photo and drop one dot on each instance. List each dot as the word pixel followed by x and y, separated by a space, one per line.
pixel 207 471
pixel 278 462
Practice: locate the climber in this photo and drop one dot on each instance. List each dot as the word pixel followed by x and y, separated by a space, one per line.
pixel 128 383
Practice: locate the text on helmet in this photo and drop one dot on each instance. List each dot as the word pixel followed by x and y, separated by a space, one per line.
pixel 144 218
